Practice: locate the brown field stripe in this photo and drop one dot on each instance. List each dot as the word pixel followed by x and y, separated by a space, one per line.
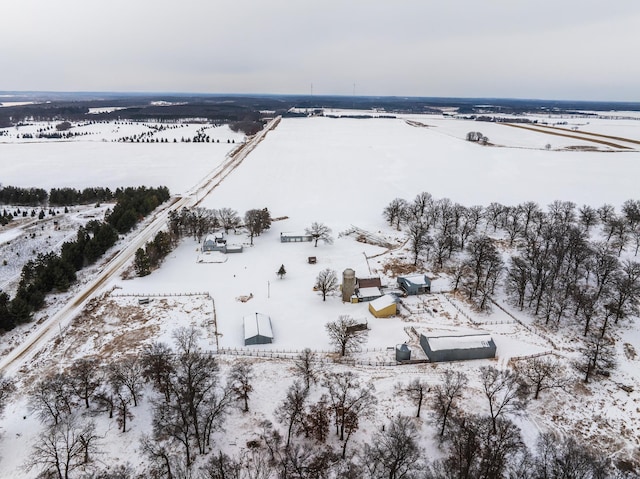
pixel 619 138
pixel 593 140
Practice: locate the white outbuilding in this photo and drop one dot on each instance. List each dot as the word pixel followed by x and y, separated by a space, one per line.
pixel 257 329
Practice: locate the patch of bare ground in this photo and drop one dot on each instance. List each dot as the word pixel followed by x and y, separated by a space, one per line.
pixel 110 328
pixel 398 266
pixel 566 135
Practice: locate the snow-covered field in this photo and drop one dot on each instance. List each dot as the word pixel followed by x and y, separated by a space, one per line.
pixel 341 172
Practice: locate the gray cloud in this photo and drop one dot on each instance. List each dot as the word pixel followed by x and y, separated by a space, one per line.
pixel 565 49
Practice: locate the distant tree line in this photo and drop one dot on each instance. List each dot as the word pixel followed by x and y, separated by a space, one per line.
pixel 72 196
pixel 57 272
pixel 13 195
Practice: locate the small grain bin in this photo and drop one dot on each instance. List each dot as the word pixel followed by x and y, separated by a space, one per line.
pixel 403 353
pixel 348 284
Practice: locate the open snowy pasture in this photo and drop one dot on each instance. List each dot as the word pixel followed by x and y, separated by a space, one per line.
pixel 536 137
pixel 85 164
pixel 345 171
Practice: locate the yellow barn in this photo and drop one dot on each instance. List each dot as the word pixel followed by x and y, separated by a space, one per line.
pixel 384 306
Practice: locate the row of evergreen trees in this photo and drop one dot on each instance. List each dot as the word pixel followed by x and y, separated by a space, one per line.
pixel 133 204
pixel 57 272
pixel 22 196
pixel 14 195
pixel 72 196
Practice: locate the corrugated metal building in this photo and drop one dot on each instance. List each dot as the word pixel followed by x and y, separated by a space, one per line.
pixel 458 348
pixel 415 284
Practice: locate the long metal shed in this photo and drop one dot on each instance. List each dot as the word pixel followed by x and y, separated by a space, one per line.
pixel 257 329
pixel 458 348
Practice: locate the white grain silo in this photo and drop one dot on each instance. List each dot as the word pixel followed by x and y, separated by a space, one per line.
pixel 348 284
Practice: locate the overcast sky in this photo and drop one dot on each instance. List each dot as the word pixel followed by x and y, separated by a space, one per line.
pixel 548 49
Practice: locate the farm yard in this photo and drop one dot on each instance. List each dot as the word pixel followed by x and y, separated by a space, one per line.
pixel 342 172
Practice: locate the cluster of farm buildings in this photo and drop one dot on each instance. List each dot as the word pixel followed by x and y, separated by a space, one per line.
pixel 383 303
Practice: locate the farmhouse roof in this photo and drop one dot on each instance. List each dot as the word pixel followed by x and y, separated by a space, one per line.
pixel 368 292
pixel 369 283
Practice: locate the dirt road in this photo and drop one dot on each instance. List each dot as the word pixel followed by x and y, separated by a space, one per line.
pixel 22 354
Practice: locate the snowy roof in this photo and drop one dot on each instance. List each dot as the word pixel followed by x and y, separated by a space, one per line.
pixel 368 292
pixel 257 324
pixel 383 301
pixel 473 341
pixel 416 278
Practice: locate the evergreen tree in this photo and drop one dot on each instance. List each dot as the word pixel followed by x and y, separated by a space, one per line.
pixel 281 271
pixel 141 263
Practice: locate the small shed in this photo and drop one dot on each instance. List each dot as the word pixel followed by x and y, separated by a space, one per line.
pixel 458 348
pixel 403 352
pixel 415 284
pixel 257 329
pixel 384 306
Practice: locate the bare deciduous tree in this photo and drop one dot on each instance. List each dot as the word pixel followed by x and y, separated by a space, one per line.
pixel 63 447
pixel 129 373
pixel 257 221
pixel 51 399
pixel 477 449
pixel 350 402
pixel 542 374
pixel 308 367
pixel 394 452
pixel 228 219
pixel 346 335
pixel 505 391
pixel 598 355
pixel 196 402
pixel 240 382
pixel 6 389
pixel 291 411
pixel 447 394
pixel 85 378
pixel 395 212
pixel 326 282
pixel 416 391
pixel 418 239
pixel 316 420
pixel 319 231
pixel 566 458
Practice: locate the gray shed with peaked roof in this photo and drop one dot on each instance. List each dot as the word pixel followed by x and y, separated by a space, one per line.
pixel 257 329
